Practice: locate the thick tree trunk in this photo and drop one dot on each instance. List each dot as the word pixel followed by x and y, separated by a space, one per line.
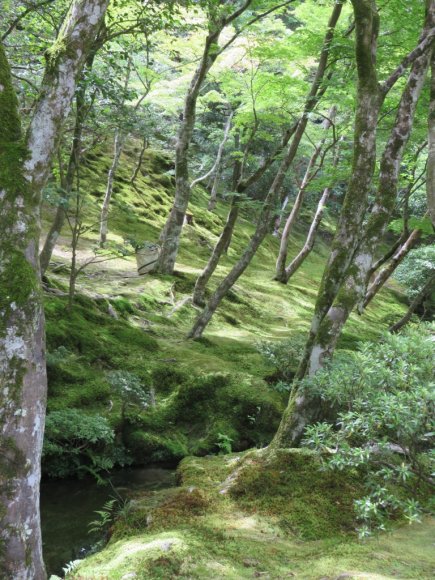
pixel 342 288
pixel 356 199
pixel 424 292
pixel 430 179
pixel 264 223
pixel 23 172
pixel 104 217
pixel 353 289
pixel 386 272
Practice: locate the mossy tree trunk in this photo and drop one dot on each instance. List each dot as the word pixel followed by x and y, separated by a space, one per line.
pixel 24 167
pixel 430 180
pixel 345 277
pixel 265 219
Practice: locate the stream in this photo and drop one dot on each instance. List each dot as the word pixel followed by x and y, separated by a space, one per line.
pixel 67 507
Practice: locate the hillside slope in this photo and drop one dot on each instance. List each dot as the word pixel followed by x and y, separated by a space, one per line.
pixel 206 389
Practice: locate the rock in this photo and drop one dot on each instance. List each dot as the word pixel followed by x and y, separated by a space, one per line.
pixel 250 563
pixel 129 575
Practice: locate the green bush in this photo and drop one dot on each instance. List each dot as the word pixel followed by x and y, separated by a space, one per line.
pixel 76 444
pixel 385 401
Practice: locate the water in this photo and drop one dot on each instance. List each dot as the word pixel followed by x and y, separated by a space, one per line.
pixel 67 507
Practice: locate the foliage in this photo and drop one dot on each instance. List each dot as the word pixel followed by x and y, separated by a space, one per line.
pixel 416 268
pixel 384 398
pixel 129 388
pixel 283 356
pixel 77 444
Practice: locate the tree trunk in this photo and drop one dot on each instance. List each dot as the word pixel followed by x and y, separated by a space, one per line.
pixel 430 180
pixel 424 292
pixel 298 260
pixel 170 236
pixel 354 287
pixel 364 158
pixel 386 273
pixel 264 223
pixel 73 162
pixel 22 348
pixel 215 187
pixel 280 274
pixel 117 150
pixel 145 145
pixel 218 250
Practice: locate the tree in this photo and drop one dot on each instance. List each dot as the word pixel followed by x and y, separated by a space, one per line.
pixel 24 167
pixel 345 278
pixel 219 17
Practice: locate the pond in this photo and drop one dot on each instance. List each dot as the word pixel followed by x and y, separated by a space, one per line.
pixel 67 507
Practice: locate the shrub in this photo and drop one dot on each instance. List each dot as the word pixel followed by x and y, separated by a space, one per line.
pixel 385 401
pixel 76 444
pixel 283 356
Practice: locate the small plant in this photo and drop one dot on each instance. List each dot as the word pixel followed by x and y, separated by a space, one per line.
pixel 106 517
pixel 283 356
pixel 70 567
pixel 128 387
pixel 224 443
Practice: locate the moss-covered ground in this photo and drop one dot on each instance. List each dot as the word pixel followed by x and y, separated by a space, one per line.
pixel 274 520
pixel 240 516
pixel 147 334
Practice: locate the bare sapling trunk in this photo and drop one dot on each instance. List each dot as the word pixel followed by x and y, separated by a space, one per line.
pixel 118 145
pixel 104 218
pixel 426 291
pixel 145 145
pixel 295 134
pixel 67 185
pixel 215 188
pixel 310 173
pixel 430 179
pixel 388 271
pixel 299 259
pixel 215 170
pixel 24 168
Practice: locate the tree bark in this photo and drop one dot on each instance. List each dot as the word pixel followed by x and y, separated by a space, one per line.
pixel 104 217
pixel 24 167
pixel 386 272
pixel 430 179
pixel 424 292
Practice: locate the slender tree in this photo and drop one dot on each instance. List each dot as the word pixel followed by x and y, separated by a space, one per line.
pixel 24 167
pixel 266 216
pixel 431 156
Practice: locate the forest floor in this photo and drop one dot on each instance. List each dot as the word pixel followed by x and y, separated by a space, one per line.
pixel 218 386
pixel 263 523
